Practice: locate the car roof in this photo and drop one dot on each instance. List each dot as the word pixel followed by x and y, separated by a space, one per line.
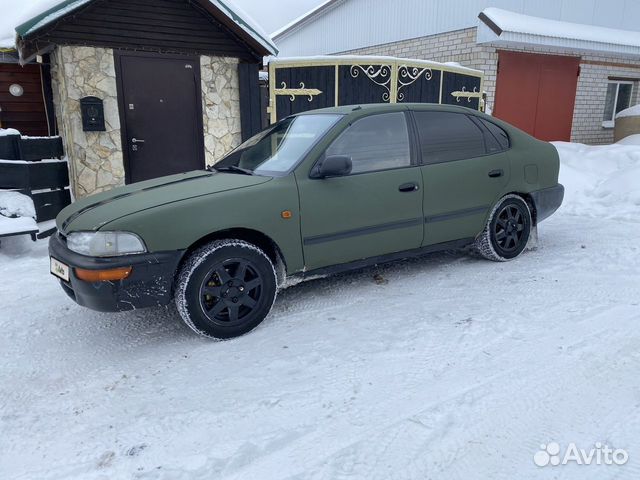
pixel 369 108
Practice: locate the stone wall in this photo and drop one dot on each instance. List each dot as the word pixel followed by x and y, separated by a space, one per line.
pixel 220 106
pixel 460 46
pixel 95 158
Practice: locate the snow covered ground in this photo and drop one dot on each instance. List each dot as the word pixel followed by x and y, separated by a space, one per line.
pixel 447 367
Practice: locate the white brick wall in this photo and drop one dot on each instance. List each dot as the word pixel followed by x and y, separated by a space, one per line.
pixel 460 46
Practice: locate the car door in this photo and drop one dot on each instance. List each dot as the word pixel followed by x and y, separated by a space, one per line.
pixel 465 170
pixel 374 210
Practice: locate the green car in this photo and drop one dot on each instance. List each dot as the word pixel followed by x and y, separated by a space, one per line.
pixel 319 192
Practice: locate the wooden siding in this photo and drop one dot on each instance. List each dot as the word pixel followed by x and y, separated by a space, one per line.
pixel 167 26
pixel 26 113
pixel 250 104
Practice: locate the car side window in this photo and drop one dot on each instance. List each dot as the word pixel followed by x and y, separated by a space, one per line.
pixel 498 133
pixel 377 142
pixel 447 136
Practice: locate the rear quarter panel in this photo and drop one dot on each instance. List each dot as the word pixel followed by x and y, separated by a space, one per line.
pixel 534 164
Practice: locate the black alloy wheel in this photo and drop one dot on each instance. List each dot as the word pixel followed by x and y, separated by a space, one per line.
pixel 226 288
pixel 230 291
pixel 506 233
pixel 509 228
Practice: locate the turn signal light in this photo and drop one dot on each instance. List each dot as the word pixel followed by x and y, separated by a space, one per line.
pixel 103 275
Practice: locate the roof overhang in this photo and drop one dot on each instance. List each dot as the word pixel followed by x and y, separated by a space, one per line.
pixel 234 19
pixel 499 27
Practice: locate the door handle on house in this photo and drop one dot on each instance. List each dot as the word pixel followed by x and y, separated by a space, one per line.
pixel 408 187
pixel 136 140
pixel 496 173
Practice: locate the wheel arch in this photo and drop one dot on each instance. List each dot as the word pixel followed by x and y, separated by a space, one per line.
pixel 530 203
pixel 525 196
pixel 254 237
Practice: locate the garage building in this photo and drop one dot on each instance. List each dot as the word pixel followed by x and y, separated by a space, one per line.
pixel 559 69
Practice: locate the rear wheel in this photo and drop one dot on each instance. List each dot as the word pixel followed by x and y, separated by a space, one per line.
pixel 507 231
pixel 226 288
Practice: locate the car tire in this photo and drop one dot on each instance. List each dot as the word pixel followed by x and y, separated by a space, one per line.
pixel 507 231
pixel 225 289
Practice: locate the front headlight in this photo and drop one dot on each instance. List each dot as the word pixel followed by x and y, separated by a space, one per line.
pixel 105 244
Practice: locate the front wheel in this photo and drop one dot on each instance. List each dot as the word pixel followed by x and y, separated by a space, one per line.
pixel 226 288
pixel 507 231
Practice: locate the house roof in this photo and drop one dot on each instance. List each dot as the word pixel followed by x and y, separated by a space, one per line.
pixel 337 26
pixel 301 19
pixel 245 25
pixel 505 27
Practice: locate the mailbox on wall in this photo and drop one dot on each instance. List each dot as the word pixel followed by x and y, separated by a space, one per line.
pixel 92 110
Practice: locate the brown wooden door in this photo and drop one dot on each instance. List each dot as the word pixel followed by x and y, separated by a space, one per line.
pixel 537 93
pixel 160 104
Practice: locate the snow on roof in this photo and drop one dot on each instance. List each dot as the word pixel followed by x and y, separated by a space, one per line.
pixel 43 12
pixel 15 16
pixel 45 17
pixel 518 28
pixel 248 24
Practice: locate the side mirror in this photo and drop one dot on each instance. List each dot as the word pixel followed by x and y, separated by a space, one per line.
pixel 333 166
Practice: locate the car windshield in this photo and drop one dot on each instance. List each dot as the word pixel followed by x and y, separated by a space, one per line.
pixel 278 149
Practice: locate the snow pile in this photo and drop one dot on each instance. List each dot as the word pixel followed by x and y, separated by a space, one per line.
pixel 8 131
pixel 17 213
pixel 14 204
pixel 601 181
pixel 630 112
pixel 630 140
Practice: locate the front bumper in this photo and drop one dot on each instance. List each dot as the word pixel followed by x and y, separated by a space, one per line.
pixel 547 201
pixel 149 284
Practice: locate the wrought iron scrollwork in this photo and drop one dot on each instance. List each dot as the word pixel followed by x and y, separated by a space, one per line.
pixel 463 93
pixel 294 92
pixel 408 75
pixel 378 74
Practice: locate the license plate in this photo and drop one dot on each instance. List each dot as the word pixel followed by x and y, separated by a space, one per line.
pixel 59 269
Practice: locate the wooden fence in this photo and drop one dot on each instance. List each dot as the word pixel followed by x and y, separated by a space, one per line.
pixel 34 167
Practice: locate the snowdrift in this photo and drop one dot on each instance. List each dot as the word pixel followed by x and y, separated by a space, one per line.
pixel 17 214
pixel 601 181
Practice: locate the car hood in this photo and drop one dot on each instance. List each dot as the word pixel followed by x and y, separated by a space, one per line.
pixel 91 213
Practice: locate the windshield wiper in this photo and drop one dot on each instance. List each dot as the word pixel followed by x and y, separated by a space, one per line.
pixel 232 168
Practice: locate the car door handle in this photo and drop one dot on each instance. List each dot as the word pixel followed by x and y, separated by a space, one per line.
pixel 408 187
pixel 496 173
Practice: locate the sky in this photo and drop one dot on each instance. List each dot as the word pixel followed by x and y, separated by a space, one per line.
pixel 273 14
pixel 269 14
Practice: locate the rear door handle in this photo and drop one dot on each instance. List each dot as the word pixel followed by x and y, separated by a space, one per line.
pixel 408 187
pixel 496 173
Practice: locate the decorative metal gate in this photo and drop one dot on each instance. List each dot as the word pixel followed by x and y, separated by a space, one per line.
pixel 301 84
